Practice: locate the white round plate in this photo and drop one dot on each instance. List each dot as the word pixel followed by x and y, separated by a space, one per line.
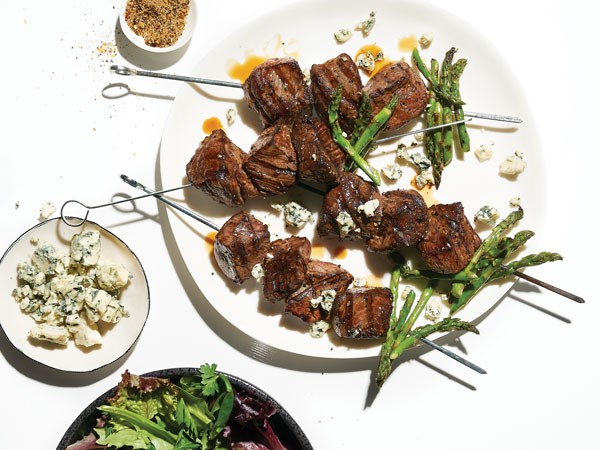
pixel 487 85
pixel 116 341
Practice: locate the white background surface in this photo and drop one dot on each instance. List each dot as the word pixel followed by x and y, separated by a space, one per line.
pixel 62 139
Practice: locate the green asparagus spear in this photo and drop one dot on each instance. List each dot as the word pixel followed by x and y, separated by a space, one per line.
pixel 447 135
pixel 442 91
pixel 365 112
pixel 446 325
pixel 459 114
pixel 340 139
pixel 526 261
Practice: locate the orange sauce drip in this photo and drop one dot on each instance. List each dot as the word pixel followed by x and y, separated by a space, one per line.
pixel 374 49
pixel 408 43
pixel 241 70
pixel 318 251
pixel 211 124
pixel 373 281
pixel 209 241
pixel 340 252
pixel 426 192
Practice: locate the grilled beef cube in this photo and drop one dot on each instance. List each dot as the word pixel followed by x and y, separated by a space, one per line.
pixel 321 276
pixel 450 241
pixel 285 267
pixel 276 89
pixel 404 220
pixel 241 243
pixel 402 79
pixel 320 159
pixel 343 200
pixel 362 312
pixel 324 80
pixel 216 169
pixel 272 163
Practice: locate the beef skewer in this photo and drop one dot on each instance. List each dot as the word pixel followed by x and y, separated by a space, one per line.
pixel 192 214
pixel 127 71
pixel 446 246
pixel 516 273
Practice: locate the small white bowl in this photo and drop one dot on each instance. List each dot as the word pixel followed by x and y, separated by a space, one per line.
pixel 117 340
pixel 138 41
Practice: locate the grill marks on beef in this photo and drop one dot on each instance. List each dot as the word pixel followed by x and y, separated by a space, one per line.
pixel 276 89
pixel 412 93
pixel 404 221
pixel 241 243
pixel 398 222
pixel 442 233
pixel 363 313
pixel 351 192
pixel 285 267
pixel 320 159
pixel 320 277
pixel 216 169
pixel 450 241
pixel 272 163
pixel 325 78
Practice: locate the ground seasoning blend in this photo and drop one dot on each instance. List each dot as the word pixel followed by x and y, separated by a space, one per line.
pixel 159 22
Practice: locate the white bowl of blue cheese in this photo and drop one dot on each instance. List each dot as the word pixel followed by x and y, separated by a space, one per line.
pixel 73 298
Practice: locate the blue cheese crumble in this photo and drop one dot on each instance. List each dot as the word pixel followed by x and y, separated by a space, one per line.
pixel 258 272
pixel 421 162
pixel 369 207
pixel 366 26
pixel 85 248
pixel 433 310
pixel 484 152
pixel 319 328
pixel 342 35
pixel 513 165
pixel 392 171
pixel 68 295
pixel 487 215
pixel 325 300
pixel 46 211
pixel 294 214
pixel 346 225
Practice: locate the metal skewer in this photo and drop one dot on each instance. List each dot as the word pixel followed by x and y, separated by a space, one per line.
pixel 127 71
pixel 545 285
pixel 205 221
pixel 77 222
pixel 136 184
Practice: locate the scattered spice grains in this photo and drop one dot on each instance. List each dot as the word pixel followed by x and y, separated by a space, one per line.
pixel 159 22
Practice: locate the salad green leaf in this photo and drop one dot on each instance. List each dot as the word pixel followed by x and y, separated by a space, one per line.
pixel 202 411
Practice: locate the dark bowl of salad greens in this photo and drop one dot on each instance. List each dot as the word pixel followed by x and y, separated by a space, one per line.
pixel 184 409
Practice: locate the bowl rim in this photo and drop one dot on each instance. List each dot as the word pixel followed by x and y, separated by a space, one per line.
pixel 138 41
pixel 147 299
pixel 283 418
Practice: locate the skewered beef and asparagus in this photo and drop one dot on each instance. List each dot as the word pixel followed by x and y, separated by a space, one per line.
pixel 397 219
pixel 294 144
pixel 309 287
